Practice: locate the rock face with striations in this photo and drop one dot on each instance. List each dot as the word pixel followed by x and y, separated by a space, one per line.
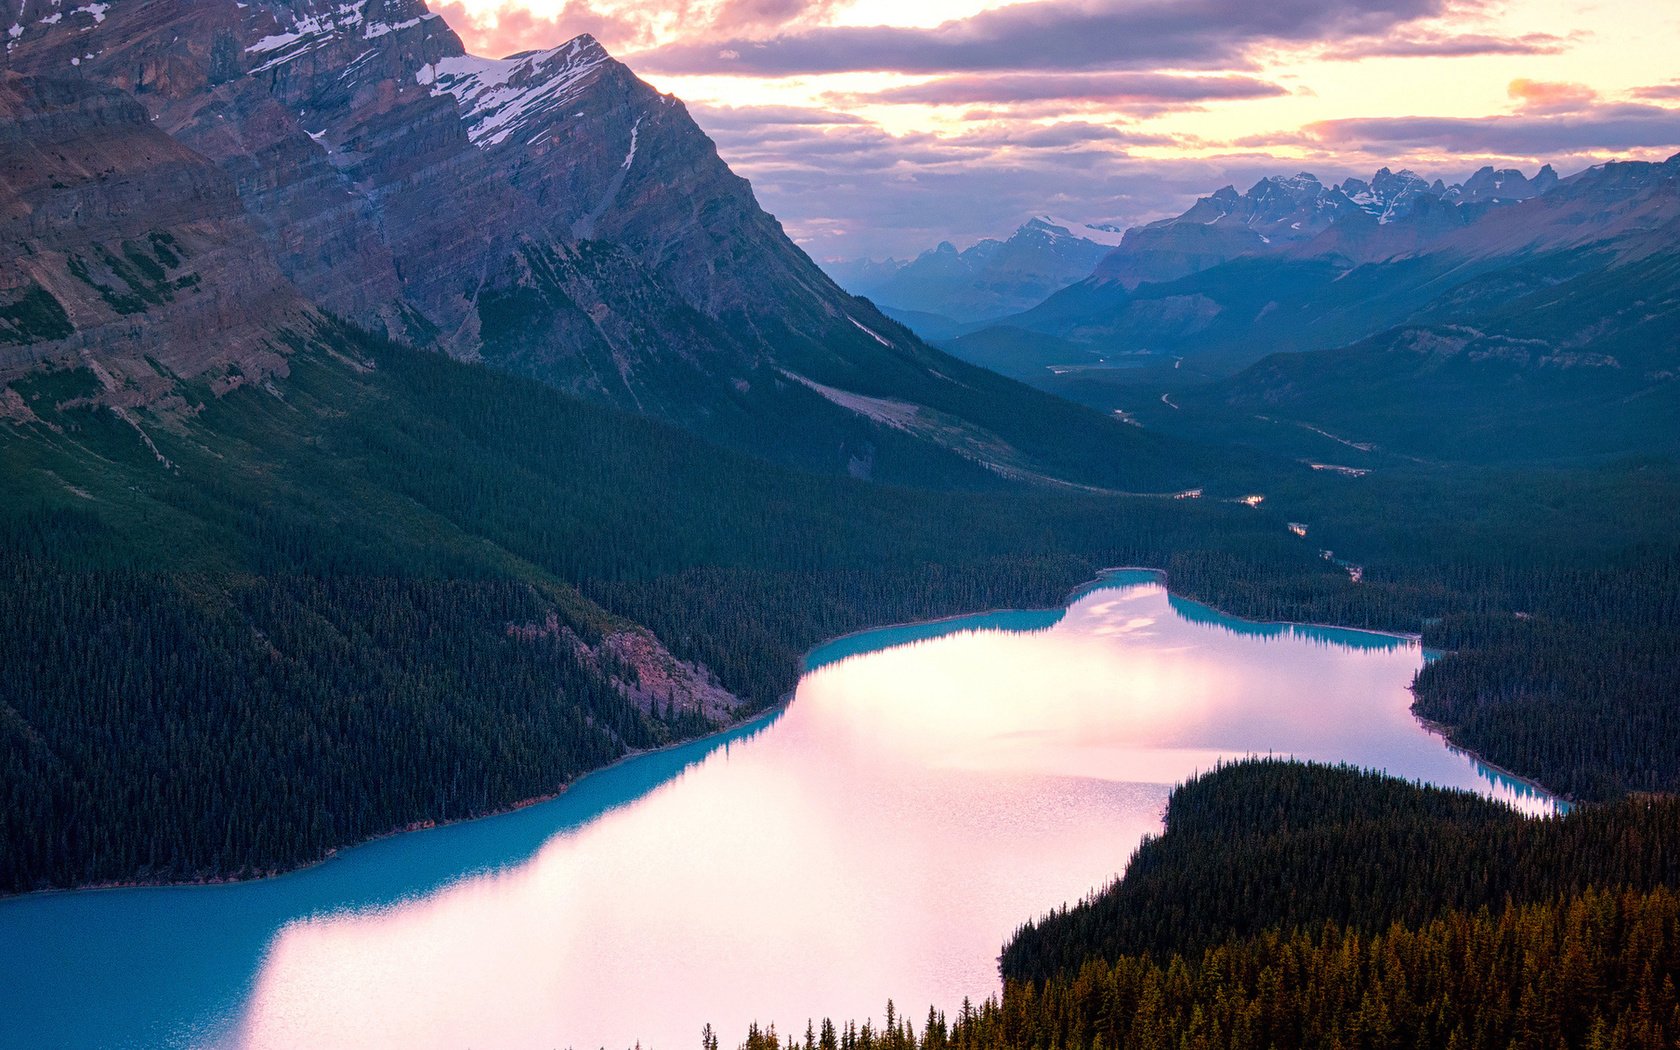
pixel 547 212
pixel 118 244
pixel 397 180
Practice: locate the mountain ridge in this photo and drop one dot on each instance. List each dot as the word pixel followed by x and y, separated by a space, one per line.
pixel 1351 277
pixel 989 279
pixel 553 215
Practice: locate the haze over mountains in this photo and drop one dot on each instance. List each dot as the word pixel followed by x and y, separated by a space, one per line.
pixel 944 290
pixel 1546 304
pixel 1274 213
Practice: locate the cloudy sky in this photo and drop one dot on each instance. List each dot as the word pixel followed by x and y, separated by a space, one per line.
pixel 876 127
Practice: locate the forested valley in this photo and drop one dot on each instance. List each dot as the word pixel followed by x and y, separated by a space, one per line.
pixel 405 512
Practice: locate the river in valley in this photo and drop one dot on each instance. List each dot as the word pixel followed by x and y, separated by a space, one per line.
pixel 927 790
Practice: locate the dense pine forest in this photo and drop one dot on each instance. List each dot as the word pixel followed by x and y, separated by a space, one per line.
pixel 407 514
pixel 1270 844
pixel 1309 906
pixel 296 621
pixel 1595 972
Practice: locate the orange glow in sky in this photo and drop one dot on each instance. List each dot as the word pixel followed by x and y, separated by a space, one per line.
pixel 1440 86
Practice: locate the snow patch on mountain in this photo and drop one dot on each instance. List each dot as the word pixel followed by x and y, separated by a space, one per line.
pixel 872 333
pixel 322 25
pixel 500 97
pixel 1107 235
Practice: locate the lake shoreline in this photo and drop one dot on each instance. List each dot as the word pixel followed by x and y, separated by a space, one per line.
pixel 1444 731
pixel 1094 583
pixel 765 714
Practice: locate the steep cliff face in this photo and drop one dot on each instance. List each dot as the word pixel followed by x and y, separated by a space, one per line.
pixel 397 179
pixel 548 213
pixel 122 248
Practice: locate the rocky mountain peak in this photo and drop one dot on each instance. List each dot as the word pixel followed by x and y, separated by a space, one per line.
pixel 1053 228
pixel 1294 212
pixel 1503 185
pixel 502 98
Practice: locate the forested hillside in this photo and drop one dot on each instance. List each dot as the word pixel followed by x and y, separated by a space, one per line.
pixel 362 586
pixel 1309 906
pixel 182 575
pixel 1268 844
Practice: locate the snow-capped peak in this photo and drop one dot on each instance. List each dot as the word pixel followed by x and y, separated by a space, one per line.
pixel 1105 235
pixel 499 97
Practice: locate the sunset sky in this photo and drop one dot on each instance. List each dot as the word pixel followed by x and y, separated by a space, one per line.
pixel 876 127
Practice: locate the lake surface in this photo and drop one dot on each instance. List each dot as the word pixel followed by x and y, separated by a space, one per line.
pixel 928 788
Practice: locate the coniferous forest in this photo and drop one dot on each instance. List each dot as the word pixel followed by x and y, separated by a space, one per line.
pixel 402 512
pixel 1297 905
pixel 393 434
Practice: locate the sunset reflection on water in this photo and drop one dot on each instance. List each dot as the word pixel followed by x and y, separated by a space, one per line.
pixel 882 838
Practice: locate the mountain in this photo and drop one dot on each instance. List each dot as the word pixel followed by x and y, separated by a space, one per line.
pixel 1294 265
pixel 1537 330
pixel 1555 360
pixel 549 214
pixel 120 244
pixel 989 279
pixel 860 276
pixel 1504 184
pixel 1278 214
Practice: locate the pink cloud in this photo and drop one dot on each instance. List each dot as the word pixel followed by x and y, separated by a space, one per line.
pixel 1670 90
pixel 1550 96
pixel 512 27
pixel 1125 87
pixel 1448 45
pixel 1042 35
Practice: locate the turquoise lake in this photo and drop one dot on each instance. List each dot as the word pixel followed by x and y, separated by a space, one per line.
pixel 928 789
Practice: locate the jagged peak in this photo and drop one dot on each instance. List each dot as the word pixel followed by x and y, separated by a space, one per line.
pixel 499 97
pixel 1056 226
pixel 1404 177
pixel 583 47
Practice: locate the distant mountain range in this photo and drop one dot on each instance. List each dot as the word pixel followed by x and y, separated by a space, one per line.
pixel 1540 304
pixel 1277 214
pixel 192 186
pixel 944 291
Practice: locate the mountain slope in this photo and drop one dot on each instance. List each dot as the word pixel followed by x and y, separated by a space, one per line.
pixel 989 279
pixel 1358 275
pixel 118 245
pixel 554 215
pixel 1555 361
